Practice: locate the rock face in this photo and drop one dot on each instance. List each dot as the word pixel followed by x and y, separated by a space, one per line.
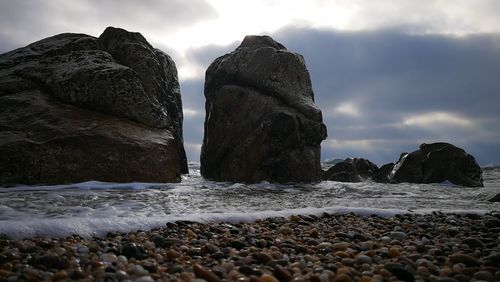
pixel 435 163
pixel 351 170
pixel 261 121
pixel 74 107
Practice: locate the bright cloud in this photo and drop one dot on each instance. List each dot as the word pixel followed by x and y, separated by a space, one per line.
pixel 437 119
pixel 189 113
pixel 348 109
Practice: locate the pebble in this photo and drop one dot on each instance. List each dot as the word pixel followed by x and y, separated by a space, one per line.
pixel 144 279
pixel 203 273
pixel 131 250
pixel 109 258
pixel 473 242
pixel 398 235
pixel 400 272
pixel 484 275
pixel 342 246
pixel 394 252
pixel 465 259
pixel 267 278
pixel 301 248
pixel 362 259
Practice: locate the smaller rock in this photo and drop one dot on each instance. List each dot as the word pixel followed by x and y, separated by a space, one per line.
pixel 400 272
pixel 131 250
pixel 203 273
pixel 282 274
pixel 268 278
pixel 121 275
pixel 362 259
pixel 341 246
pixel 109 258
pixel 144 279
pixel 495 199
pixel 473 243
pixel 394 252
pixel 286 230
pixel 398 235
pixel 465 259
pixel 261 258
pixel 484 276
pixel 60 275
pixel 51 261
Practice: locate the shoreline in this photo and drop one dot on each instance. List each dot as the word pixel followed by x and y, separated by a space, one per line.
pixel 330 247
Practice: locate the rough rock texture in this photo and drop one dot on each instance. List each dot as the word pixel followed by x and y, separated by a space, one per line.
pixel 351 170
pixel 383 174
pixel 74 107
pixel 438 162
pixel 261 121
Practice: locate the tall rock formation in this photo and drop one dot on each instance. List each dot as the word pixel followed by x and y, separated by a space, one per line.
pixel 261 121
pixel 74 108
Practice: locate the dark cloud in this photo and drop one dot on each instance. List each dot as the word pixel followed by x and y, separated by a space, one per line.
pixel 385 92
pixel 23 22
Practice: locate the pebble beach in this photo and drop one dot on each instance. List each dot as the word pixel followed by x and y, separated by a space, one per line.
pixel 330 247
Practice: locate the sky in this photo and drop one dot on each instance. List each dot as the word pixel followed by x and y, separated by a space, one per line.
pixel 388 75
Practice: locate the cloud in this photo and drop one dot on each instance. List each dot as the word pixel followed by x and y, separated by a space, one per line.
pixel 434 119
pixel 385 92
pixel 23 22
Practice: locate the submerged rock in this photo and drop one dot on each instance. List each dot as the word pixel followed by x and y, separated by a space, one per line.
pixel 435 163
pixel 261 121
pixel 351 170
pixel 495 199
pixel 75 108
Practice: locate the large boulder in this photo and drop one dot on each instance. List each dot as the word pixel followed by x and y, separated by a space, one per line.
pixel 351 170
pixel 435 163
pixel 74 108
pixel 261 121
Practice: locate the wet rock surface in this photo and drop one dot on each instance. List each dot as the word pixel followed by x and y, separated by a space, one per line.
pixel 74 108
pixel 351 170
pixel 331 247
pixel 438 162
pixel 432 163
pixel 261 121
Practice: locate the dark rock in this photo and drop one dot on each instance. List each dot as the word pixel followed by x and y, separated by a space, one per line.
pixel 495 199
pixel 261 121
pixel 351 170
pixel 465 259
pixel 131 250
pixel 238 244
pixel 438 162
pixel 261 258
pixel 203 273
pixel 400 272
pixel 473 242
pixel 246 270
pixel 383 174
pixel 163 242
pixel 75 108
pixel 209 249
pixel 282 274
pixel 50 261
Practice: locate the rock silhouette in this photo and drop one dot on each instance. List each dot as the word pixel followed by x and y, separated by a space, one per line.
pixel 74 108
pixel 261 121
pixel 351 170
pixel 433 163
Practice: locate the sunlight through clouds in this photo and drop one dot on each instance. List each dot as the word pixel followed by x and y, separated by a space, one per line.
pixel 437 119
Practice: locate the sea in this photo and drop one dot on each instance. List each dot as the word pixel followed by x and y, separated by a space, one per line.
pixel 94 208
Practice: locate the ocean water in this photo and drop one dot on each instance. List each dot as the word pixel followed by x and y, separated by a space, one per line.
pixel 94 208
